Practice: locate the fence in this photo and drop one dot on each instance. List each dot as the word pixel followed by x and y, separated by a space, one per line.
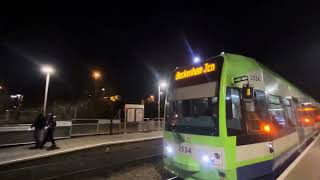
pixel 83 127
pixel 150 125
pixel 21 134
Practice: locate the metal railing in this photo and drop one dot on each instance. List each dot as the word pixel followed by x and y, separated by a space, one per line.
pixel 151 125
pixel 22 134
pixel 83 127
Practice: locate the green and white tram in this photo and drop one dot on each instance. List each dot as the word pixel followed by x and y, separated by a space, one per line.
pixel 230 117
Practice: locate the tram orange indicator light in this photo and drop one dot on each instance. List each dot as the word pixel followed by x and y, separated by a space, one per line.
pixel 266 128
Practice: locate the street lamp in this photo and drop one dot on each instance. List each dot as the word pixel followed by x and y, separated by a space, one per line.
pixel 48 70
pixel 96 75
pixel 162 84
pixel 196 59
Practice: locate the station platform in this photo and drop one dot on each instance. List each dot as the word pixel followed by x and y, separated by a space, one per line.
pixel 24 153
pixel 306 166
pixel 77 155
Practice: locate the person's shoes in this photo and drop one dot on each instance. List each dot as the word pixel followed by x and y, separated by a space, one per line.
pixel 53 147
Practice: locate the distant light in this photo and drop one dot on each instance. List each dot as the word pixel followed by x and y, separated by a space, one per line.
pixel 196 59
pixel 47 69
pixel 1 87
pixel 307 120
pixel 103 89
pixel 151 98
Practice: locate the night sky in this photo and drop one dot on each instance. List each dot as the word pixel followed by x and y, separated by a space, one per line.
pixel 133 52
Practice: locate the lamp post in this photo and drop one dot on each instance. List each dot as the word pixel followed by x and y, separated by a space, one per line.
pixel 96 75
pixel 162 84
pixel 48 70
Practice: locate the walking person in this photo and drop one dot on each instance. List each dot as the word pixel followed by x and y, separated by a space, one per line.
pixel 50 127
pixel 38 125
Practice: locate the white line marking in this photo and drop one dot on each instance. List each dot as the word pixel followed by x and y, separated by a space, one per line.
pixel 295 162
pixel 172 178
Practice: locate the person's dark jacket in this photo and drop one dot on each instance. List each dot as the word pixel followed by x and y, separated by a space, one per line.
pixel 39 122
pixel 51 122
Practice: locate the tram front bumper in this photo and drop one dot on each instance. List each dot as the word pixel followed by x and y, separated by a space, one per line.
pixel 193 170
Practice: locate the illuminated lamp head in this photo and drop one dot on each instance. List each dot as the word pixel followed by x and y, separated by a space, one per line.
pixel 196 59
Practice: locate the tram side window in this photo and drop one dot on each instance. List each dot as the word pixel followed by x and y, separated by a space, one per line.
pixel 289 112
pixel 261 105
pixel 233 110
pixel 276 111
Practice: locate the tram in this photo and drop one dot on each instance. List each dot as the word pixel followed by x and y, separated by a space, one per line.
pixel 230 117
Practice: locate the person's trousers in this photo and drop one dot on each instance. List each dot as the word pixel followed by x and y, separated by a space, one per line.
pixel 49 137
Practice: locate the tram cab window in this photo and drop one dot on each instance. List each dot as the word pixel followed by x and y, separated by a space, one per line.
pixel 244 117
pixel 257 112
pixel 234 126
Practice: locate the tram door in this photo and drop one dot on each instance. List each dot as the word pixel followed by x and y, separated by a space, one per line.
pixel 299 126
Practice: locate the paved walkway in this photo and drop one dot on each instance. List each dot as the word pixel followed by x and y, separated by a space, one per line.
pixel 306 166
pixel 24 153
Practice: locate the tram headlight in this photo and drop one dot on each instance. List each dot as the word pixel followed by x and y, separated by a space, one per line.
pixel 213 159
pixel 205 158
pixel 168 149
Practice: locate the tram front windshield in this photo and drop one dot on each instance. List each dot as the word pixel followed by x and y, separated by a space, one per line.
pixel 193 116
